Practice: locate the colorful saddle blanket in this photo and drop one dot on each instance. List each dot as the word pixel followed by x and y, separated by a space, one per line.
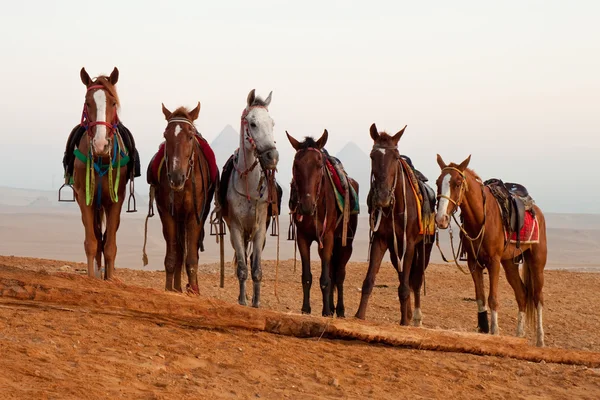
pixel 530 232
pixel 155 167
pixel 340 181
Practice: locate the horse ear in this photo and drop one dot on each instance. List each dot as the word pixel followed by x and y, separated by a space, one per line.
pixel 397 136
pixel 374 133
pixel 166 112
pixel 251 97
pixel 268 100
pixel 114 76
pixel 85 78
pixel 463 165
pixel 195 112
pixel 323 139
pixel 441 162
pixel 293 141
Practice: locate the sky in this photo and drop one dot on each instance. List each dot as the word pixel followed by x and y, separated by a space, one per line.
pixel 515 84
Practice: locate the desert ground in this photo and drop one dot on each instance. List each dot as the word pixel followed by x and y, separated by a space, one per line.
pixel 63 335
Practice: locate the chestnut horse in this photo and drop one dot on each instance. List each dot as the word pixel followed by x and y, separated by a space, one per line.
pixel 100 172
pixel 393 208
pixel 183 191
pixel 483 237
pixel 317 217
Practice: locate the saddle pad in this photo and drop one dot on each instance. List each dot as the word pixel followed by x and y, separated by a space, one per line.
pixel 159 159
pixel 530 233
pixel 338 188
pixel 413 183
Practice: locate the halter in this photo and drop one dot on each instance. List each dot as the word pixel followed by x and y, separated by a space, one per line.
pixel 87 124
pixel 317 197
pixel 464 186
pixel 250 139
pixel 190 159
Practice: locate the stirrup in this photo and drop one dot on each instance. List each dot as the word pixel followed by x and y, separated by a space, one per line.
pixel 292 228
pixel 274 226
pixel 65 185
pixel 131 197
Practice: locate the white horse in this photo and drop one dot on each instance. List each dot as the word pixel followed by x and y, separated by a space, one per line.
pixel 250 189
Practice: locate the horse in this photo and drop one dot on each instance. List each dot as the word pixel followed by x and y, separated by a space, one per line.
pixel 248 191
pixel 317 217
pixel 483 230
pixel 99 171
pixel 397 225
pixel 183 194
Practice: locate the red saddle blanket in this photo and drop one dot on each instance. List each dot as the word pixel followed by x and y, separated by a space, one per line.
pixel 530 233
pixel 335 177
pixel 207 151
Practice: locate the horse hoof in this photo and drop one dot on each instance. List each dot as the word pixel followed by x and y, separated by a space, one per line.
pixel 306 310
pixel 417 322
pixel 242 302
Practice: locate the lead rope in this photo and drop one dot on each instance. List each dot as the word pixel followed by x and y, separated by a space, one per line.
pixel 150 214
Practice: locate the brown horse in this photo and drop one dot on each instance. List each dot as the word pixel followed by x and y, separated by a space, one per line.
pixel 100 173
pixel 484 238
pixel 184 190
pixel 396 227
pixel 318 219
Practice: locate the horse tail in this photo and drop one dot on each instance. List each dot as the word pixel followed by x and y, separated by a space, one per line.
pixel 529 289
pixel 98 227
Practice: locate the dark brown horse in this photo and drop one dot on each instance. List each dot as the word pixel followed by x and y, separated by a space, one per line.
pixel 318 219
pixel 484 239
pixel 183 193
pixel 396 227
pixel 99 171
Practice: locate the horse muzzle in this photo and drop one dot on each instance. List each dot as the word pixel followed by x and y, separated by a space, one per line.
pixel 307 207
pixel 442 221
pixel 268 159
pixel 382 198
pixel 177 180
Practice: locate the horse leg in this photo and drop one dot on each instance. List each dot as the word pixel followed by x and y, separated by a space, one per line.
pixel 239 246
pixel 192 241
pixel 404 289
pixel 535 261
pixel 304 249
pixel 342 259
pixel 174 251
pixel 494 272
pixel 90 243
pixel 325 280
pixel 378 249
pixel 332 273
pixel 257 248
pixel 512 276
pixel 482 314
pixel 113 220
pixel 416 280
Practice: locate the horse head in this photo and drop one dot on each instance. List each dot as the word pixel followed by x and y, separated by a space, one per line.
pixel 257 131
pixel 100 111
pixel 384 166
pixel 451 186
pixel 308 171
pixel 180 144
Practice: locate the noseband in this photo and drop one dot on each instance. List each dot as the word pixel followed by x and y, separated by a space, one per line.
pixel 191 158
pixel 87 124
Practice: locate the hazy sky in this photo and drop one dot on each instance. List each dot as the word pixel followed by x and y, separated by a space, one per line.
pixel 514 83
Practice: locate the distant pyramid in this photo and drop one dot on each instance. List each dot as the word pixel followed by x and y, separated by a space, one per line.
pixel 225 144
pixel 358 165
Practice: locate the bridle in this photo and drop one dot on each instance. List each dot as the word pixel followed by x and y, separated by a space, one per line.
pixel 464 187
pixel 191 159
pixel 397 158
pixel 259 155
pixel 321 179
pixel 87 124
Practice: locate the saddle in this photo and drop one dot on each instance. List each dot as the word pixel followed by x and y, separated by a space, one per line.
pixel 514 201
pixel 134 168
pixel 224 184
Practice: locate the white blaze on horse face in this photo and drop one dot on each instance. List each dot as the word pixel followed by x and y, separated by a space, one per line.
pixel 442 209
pixel 177 130
pixel 382 151
pixel 100 141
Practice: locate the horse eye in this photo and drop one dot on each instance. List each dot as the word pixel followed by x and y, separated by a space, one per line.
pixel 114 104
pixel 252 124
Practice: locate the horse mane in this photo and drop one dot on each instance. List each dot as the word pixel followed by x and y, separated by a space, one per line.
pixel 104 81
pixel 181 112
pixel 259 101
pixel 308 143
pixel 385 140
